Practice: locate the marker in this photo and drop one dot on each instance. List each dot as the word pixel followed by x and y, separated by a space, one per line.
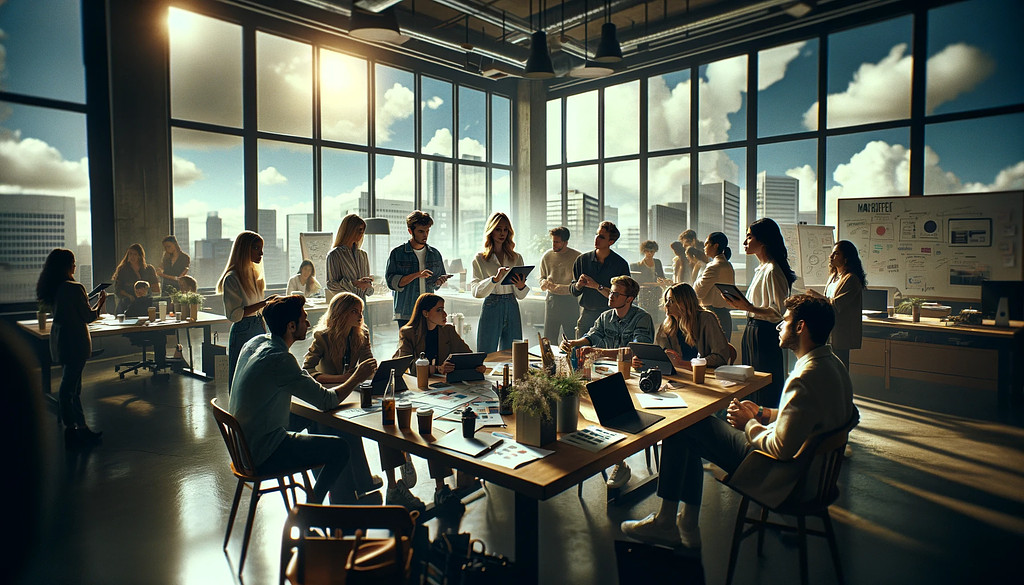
pixel 491 447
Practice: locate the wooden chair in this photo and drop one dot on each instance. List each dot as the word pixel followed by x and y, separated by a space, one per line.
pixel 334 545
pixel 802 486
pixel 243 467
pixel 732 354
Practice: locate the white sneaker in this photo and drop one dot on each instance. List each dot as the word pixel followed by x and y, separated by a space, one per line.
pixel 620 476
pixel 647 530
pixel 399 495
pixel 408 471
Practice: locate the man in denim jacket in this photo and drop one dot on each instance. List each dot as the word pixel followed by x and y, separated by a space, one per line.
pixel 414 267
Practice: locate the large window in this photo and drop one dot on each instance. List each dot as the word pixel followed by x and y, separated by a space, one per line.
pixel 44 170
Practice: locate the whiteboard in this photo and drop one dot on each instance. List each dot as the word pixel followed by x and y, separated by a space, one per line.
pixel 939 246
pixel 315 246
pixel 809 247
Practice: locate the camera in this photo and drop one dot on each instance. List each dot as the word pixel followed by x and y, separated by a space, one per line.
pixel 650 380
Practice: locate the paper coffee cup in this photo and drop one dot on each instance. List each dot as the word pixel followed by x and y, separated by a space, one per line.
pixel 699 366
pixel 404 410
pixel 425 418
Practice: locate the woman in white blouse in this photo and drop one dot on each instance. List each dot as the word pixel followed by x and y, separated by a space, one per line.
pixel 500 321
pixel 242 285
pixel 348 267
pixel 772 282
pixel 304 281
pixel 845 292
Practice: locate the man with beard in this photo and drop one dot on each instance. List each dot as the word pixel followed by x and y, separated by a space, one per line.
pixel 817 399
pixel 414 267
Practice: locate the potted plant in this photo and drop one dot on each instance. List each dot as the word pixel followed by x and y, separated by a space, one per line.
pixel 41 314
pixel 176 303
pixel 569 386
pixel 912 306
pixel 193 300
pixel 534 400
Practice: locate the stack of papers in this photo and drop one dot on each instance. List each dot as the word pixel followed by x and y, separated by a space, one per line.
pixel 661 400
pixel 592 438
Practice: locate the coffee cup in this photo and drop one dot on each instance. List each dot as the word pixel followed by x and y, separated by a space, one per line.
pixel 425 418
pixel 120 317
pixel 404 410
pixel 700 366
pixel 625 359
pixel 152 313
pixel 422 376
pixel 163 310
pixel 366 397
pixel 890 310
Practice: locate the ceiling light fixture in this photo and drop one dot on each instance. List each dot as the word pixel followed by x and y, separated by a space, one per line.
pixel 588 70
pixel 539 66
pixel 609 50
pixel 379 27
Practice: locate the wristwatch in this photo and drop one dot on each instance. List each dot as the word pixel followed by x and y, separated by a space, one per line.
pixel 600 287
pixel 760 414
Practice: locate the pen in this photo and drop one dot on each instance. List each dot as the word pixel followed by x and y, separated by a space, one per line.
pixel 491 447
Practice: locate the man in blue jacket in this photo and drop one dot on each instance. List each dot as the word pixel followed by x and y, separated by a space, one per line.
pixel 414 267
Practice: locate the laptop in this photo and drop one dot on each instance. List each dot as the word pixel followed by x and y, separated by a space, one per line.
pixel 614 406
pixel 379 383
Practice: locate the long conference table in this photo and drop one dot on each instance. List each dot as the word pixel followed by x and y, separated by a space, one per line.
pixel 107 325
pixel 549 476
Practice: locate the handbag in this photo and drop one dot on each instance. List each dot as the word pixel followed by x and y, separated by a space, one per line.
pixel 458 559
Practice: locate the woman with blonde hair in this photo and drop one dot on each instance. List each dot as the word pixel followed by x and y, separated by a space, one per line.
pixel 174 264
pixel 500 321
pixel 689 330
pixel 131 269
pixel 243 286
pixel 348 267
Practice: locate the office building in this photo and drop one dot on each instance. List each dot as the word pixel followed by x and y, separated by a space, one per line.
pixel 778 197
pixel 719 205
pixel 30 227
pixel 181 233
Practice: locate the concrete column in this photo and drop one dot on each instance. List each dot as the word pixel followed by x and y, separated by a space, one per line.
pixel 530 158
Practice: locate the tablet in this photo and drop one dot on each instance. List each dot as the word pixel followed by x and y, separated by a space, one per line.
pixel 652 355
pixel 524 270
pixel 730 292
pixel 99 287
pixel 467 361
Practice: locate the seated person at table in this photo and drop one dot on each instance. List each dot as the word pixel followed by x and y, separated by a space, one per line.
pixel 622 324
pixel 340 345
pixel 817 398
pixel 429 333
pixel 266 378
pixel 689 330
pixel 139 307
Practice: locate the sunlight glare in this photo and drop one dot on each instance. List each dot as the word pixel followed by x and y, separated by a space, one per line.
pixel 180 23
pixel 338 73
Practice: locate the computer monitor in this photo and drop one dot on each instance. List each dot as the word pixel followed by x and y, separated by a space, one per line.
pixel 875 299
pixel 993 290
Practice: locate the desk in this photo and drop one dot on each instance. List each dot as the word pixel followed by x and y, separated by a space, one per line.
pixel 551 475
pixel 974 356
pixel 107 325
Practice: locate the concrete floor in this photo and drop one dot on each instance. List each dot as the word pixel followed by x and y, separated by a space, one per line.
pixel 933 494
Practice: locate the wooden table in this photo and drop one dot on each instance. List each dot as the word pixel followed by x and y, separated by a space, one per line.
pixel 551 475
pixel 106 326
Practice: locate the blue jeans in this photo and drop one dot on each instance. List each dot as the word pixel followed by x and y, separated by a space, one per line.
pixel 681 478
pixel 241 332
pixel 309 451
pixel 500 323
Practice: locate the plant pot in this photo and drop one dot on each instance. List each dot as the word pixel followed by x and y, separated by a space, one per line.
pixel 568 413
pixel 41 317
pixel 535 430
pixel 915 314
pixel 194 312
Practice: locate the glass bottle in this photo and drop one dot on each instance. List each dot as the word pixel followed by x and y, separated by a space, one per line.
pixel 387 404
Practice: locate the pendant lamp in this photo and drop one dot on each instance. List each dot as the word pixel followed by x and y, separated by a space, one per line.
pixel 539 66
pixel 380 27
pixel 609 50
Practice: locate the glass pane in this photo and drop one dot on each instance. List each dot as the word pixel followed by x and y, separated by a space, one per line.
pixel 668 110
pixel 787 87
pixel 394 110
pixel 986 154
pixel 346 186
pixel 870 164
pixel 284 85
pixel 554 132
pixel 581 126
pixel 723 101
pixel 208 199
pixel 42 40
pixel 668 202
pixel 472 124
pixel 974 51
pixel 582 210
pixel 285 188
pixel 205 89
pixel 787 182
pixel 621 193
pixel 554 198
pixel 472 212
pixel 869 74
pixel 722 204
pixel 501 193
pixel 436 116
pixel 622 119
pixel 44 203
pixel 343 97
pixel 501 129
pixel 393 199
pixel 437 200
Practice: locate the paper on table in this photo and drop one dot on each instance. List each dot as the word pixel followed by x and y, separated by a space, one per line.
pixel 661 400
pixel 592 438
pixel 350 413
pixel 472 447
pixel 487 413
pixel 512 454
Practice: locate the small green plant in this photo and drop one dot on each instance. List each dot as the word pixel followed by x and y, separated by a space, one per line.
pixel 907 304
pixel 568 384
pixel 177 296
pixel 192 298
pixel 534 395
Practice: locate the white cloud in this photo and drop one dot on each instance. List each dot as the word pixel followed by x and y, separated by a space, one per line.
pixel 31 165
pixel 271 176
pixel 881 91
pixel 434 102
pixel 398 105
pixel 184 171
pixel 669 113
pixel 472 147
pixel 721 95
pixel 440 143
pixel 772 63
pixel 808 182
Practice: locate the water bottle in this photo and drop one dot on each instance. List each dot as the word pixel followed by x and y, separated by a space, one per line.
pixel 387 410
pixel 422 371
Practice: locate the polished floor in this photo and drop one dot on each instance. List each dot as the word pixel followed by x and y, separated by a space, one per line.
pixel 933 494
